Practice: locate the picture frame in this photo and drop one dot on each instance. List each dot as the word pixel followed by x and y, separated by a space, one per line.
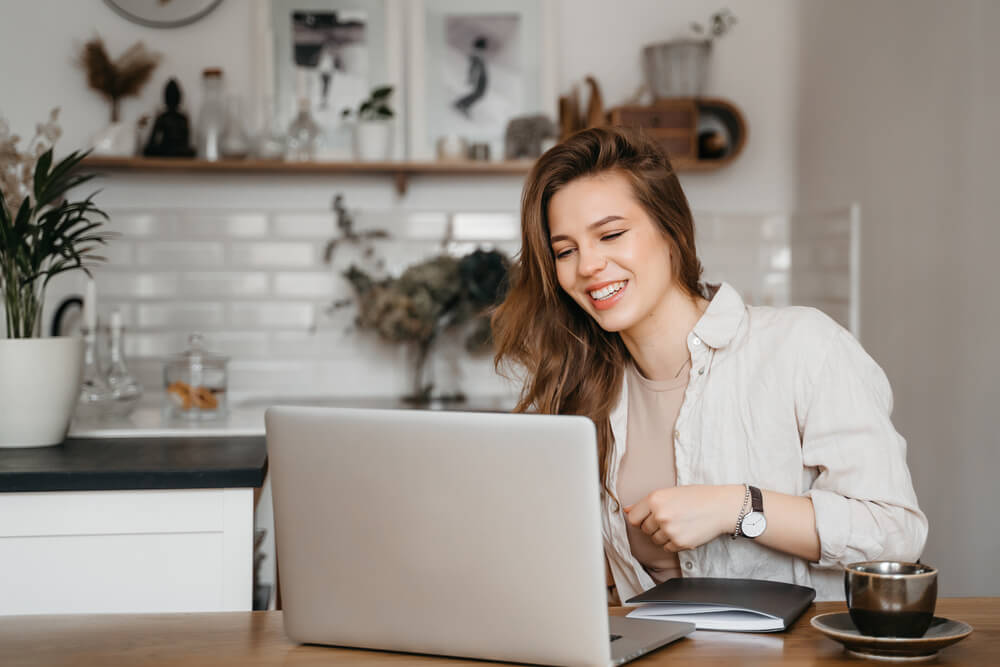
pixel 333 52
pixel 473 65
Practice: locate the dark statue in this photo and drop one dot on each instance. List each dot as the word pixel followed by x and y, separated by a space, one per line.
pixel 171 135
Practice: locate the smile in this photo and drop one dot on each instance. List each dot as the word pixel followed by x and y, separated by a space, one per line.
pixel 607 296
pixel 607 291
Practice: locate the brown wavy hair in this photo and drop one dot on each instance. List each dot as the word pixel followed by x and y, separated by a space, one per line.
pixel 569 364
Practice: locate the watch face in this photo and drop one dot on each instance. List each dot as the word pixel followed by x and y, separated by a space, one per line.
pixel 753 524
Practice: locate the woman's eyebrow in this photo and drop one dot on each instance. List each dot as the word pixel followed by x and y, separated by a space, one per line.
pixel 603 221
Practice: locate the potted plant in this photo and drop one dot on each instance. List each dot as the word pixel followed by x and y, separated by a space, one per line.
pixel 373 129
pixel 678 68
pixel 42 234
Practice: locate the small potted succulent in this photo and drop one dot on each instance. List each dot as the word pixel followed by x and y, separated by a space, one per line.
pixel 373 127
pixel 42 233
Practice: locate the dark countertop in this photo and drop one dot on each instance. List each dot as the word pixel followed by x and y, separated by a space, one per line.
pixel 113 464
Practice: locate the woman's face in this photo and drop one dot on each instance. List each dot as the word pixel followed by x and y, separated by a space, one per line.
pixel 610 256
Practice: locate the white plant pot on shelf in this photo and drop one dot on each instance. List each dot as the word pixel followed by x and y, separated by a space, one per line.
pixel 39 387
pixel 372 140
pixel 117 139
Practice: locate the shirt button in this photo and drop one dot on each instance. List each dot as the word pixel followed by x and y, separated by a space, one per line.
pixel 696 341
pixel 701 371
pixel 688 565
pixel 677 434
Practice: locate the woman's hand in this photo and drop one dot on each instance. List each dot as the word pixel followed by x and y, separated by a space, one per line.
pixel 685 517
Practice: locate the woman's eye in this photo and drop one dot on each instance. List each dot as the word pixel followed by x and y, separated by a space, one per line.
pixel 564 253
pixel 612 236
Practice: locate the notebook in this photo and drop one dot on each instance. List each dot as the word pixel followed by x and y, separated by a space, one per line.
pixel 736 605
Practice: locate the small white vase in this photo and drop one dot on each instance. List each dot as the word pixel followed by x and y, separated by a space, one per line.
pixel 116 139
pixel 39 387
pixel 372 140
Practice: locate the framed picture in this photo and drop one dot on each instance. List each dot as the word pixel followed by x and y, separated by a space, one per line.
pixel 332 53
pixel 475 64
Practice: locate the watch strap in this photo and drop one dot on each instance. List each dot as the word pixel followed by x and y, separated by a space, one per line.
pixel 756 500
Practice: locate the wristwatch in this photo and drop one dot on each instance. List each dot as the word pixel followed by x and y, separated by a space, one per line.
pixel 753 524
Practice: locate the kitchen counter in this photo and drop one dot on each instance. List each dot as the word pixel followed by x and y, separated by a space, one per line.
pixel 128 463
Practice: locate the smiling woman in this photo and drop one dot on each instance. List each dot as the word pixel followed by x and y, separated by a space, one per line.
pixel 760 439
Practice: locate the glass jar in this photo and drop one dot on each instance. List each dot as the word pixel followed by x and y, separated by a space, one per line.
pixel 195 382
pixel 212 115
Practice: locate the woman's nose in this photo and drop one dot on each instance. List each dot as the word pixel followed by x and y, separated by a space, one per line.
pixel 592 262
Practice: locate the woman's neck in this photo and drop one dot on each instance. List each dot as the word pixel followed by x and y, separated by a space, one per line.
pixel 658 344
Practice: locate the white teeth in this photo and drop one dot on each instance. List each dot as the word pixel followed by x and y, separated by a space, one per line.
pixel 607 291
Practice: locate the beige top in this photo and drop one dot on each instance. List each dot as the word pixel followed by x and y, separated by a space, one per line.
pixel 787 400
pixel 648 461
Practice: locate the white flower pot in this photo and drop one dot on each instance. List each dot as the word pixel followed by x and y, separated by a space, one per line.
pixel 115 139
pixel 39 387
pixel 372 140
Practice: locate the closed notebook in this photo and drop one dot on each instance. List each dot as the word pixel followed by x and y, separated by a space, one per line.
pixel 739 605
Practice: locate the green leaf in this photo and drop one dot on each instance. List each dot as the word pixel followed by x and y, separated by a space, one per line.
pixel 42 171
pixel 384 112
pixel 381 93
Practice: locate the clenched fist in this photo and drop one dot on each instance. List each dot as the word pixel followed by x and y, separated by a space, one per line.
pixel 685 517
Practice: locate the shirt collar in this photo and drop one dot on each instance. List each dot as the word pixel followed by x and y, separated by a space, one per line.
pixel 722 319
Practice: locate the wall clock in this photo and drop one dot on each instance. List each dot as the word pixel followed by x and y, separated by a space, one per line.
pixel 163 13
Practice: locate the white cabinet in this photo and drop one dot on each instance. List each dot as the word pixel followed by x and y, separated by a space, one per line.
pixel 126 551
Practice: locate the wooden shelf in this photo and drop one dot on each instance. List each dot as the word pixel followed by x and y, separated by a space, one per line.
pixel 400 171
pixel 675 123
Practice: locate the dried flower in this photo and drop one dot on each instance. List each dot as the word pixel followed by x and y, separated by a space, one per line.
pixel 120 78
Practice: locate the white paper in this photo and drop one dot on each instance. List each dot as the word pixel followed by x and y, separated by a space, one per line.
pixel 710 617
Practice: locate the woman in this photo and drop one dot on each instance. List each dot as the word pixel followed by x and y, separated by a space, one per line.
pixel 733 441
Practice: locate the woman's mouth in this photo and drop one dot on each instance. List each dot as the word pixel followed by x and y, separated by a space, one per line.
pixel 608 295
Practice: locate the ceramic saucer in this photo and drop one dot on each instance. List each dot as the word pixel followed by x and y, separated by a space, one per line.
pixel 943 632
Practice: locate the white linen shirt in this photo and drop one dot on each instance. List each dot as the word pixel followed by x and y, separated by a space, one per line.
pixel 787 400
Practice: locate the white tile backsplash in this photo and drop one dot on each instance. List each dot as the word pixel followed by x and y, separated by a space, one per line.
pixel 256 284
pixel 183 316
pixel 176 254
pixel 272 254
pixel 258 315
pixel 223 283
pixel 142 224
pixel 304 225
pixel 193 225
pixel 307 283
pixel 135 284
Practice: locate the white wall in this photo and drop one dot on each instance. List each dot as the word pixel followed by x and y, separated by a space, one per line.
pixel 897 106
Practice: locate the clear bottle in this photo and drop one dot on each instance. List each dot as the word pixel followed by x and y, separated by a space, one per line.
pixel 125 390
pixel 212 115
pixel 235 141
pixel 270 140
pixel 95 394
pixel 304 134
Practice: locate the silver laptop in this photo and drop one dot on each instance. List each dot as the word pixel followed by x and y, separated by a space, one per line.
pixel 448 533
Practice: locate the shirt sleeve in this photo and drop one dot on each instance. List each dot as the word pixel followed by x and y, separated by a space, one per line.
pixel 863 497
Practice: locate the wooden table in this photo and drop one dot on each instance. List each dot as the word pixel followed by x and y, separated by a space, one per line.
pixel 257 638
